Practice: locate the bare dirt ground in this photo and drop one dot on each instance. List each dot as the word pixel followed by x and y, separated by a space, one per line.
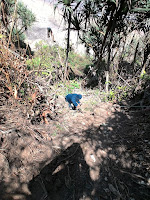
pixel 99 153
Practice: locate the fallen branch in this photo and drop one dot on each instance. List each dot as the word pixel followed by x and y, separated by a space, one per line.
pixel 133 175
pixel 123 79
pixel 8 131
pixel 14 53
pixel 40 88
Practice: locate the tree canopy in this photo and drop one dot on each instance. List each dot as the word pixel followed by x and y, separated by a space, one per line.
pixel 16 18
pixel 102 25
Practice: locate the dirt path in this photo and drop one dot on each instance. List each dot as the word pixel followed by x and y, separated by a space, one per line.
pixel 99 153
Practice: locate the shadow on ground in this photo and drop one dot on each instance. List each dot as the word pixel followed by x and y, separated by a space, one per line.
pixel 107 161
pixel 110 161
pixel 66 177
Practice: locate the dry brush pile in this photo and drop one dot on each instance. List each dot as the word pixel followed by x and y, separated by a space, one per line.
pixel 19 91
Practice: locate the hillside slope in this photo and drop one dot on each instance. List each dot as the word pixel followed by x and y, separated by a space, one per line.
pixel 101 152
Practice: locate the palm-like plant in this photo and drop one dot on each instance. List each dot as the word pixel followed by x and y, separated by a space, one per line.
pixel 16 16
pixel 100 23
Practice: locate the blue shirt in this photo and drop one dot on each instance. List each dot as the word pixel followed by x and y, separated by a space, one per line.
pixel 74 99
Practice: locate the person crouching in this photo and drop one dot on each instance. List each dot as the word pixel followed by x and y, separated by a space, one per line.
pixel 73 100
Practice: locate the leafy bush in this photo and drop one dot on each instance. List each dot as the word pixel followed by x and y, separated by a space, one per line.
pixel 118 93
pixel 71 85
pixel 51 60
pixel 78 62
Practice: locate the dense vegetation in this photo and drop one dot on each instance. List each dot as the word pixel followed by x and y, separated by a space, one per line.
pixel 106 27
pixel 100 151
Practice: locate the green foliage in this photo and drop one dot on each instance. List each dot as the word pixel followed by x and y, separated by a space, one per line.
pixel 77 61
pixel 23 19
pixel 71 85
pixel 121 92
pixel 34 63
pixel 22 92
pixel 16 35
pixel 144 76
pixel 111 95
pixel 25 15
pixel 54 134
pixel 10 6
pixel 75 84
pixel 97 92
pixel 51 59
pixel 49 55
pixel 141 6
pixel 102 24
pixel 117 94
pixel 145 80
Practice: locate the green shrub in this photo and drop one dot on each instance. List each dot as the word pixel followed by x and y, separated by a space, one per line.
pixel 118 93
pixel 51 59
pixel 71 85
pixel 78 62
